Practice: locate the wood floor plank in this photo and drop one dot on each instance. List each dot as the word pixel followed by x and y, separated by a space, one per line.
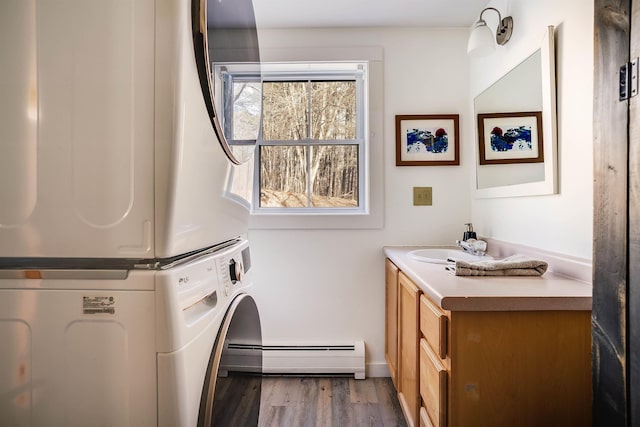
pixel 272 416
pixel 362 391
pixel 245 392
pixel 325 397
pixel 388 403
pixel 341 411
pixel 307 407
pixel 266 400
pixel 292 391
pixel 329 402
pixel 366 414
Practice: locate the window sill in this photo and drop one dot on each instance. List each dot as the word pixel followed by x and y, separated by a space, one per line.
pixel 356 220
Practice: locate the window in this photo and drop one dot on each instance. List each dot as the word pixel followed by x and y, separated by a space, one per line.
pixel 310 145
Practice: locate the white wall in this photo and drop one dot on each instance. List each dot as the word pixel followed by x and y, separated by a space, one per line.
pixel 563 222
pixel 328 285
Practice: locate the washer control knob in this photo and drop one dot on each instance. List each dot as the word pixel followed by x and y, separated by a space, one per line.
pixel 235 271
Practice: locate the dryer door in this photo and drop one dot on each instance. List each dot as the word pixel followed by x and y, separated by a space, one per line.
pixel 224 32
pixel 232 387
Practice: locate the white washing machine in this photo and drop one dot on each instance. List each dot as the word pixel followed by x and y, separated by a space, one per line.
pixel 138 347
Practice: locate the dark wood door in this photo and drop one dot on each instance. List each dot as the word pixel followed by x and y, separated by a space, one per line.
pixel 616 294
pixel 633 288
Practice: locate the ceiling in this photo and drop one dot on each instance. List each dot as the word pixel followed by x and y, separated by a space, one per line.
pixel 367 13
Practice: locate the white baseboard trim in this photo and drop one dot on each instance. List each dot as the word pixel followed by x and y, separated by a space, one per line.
pixel 377 370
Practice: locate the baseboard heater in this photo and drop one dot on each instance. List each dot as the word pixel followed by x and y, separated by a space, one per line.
pixel 310 359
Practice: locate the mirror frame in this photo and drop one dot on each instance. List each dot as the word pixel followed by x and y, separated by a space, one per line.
pixel 549 134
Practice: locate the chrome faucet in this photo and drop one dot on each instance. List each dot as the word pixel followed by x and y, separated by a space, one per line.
pixel 470 244
pixel 473 246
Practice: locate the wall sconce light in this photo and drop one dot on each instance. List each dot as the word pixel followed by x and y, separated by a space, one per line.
pixel 481 38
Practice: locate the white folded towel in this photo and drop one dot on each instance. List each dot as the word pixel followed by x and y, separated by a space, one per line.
pixel 515 265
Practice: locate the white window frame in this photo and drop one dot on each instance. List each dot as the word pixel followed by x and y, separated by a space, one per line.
pixel 359 141
pixel 369 213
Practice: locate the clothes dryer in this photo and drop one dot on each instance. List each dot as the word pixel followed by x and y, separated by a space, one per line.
pixel 111 145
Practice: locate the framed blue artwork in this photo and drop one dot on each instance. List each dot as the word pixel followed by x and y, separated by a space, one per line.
pixel 510 138
pixel 427 140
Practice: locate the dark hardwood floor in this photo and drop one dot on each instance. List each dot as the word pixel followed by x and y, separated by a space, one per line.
pixel 328 401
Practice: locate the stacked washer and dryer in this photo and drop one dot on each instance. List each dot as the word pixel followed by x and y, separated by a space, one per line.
pixel 125 273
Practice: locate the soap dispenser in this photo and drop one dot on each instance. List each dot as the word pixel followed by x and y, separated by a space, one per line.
pixel 469 234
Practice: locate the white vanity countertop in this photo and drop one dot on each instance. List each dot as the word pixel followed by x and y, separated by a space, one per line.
pixel 490 293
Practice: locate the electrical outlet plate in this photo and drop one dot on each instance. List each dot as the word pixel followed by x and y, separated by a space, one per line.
pixel 422 196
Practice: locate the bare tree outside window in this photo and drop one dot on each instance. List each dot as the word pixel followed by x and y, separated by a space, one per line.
pixel 334 173
pixel 307 127
pixel 309 164
pixel 333 110
pixel 285 106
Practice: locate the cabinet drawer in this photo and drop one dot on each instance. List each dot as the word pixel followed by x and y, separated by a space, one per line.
pixel 433 385
pixel 433 324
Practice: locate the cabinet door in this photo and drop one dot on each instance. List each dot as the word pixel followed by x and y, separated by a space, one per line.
pixel 409 330
pixel 391 320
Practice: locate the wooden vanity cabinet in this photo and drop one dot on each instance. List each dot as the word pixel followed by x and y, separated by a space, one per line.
pixel 491 368
pixel 391 319
pixel 408 349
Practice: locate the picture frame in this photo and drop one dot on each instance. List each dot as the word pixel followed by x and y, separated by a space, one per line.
pixel 505 138
pixel 427 140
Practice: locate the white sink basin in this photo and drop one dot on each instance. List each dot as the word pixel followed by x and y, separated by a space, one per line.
pixel 440 255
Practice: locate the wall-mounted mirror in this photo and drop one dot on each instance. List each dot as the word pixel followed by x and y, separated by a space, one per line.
pixel 519 110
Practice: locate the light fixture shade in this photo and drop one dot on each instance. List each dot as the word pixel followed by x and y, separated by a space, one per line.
pixel 481 40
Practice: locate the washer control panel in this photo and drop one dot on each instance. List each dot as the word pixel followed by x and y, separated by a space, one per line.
pixel 231 268
pixel 236 271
